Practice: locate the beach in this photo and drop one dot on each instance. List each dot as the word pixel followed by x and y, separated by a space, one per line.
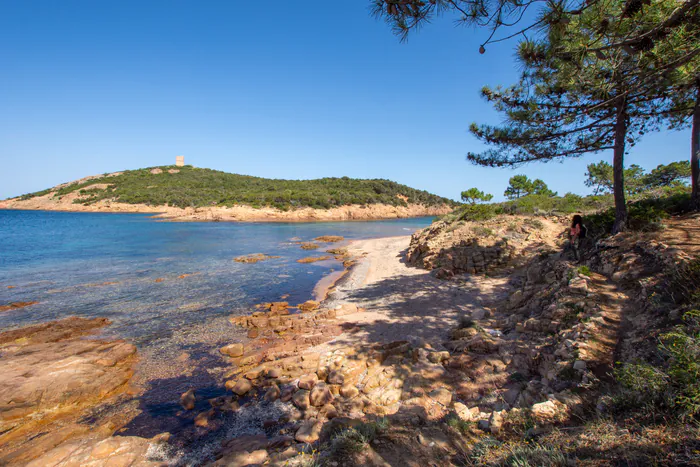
pixel 403 302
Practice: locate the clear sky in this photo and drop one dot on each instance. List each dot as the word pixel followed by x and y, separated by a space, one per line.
pixel 277 89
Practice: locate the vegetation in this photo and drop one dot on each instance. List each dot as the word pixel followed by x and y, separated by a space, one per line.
pixel 194 187
pixel 520 185
pixel 474 195
pixel 600 176
pixel 597 76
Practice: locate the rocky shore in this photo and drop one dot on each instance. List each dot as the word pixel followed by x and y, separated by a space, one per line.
pixel 239 213
pixel 398 365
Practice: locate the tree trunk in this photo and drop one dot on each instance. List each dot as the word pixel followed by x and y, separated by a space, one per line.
pixel 695 155
pixel 619 167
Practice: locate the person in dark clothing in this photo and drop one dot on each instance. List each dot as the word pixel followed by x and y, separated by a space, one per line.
pixel 576 233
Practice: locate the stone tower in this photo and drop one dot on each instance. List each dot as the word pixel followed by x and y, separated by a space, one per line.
pixel 179 161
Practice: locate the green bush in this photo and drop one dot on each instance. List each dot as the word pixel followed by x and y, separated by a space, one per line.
pixel 192 187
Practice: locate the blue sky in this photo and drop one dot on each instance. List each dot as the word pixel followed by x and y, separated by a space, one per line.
pixel 277 89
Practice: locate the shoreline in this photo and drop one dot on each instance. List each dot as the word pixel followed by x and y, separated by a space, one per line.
pixel 239 213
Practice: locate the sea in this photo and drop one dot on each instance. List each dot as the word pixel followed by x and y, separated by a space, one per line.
pixel 167 287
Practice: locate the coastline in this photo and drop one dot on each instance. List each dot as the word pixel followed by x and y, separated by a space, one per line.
pixel 239 213
pixel 401 302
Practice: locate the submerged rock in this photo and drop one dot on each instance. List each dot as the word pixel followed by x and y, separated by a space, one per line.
pixel 16 305
pixel 188 399
pixel 254 258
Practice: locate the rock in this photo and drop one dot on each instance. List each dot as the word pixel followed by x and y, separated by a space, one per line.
pixel 301 399
pixel 465 413
pixel 320 395
pixel 329 238
pixel 202 419
pixel 117 451
pixel 329 411
pixel 335 377
pixel 188 399
pixel 51 376
pixel 580 365
pixel 548 411
pixel 232 350
pixel 309 305
pixel 273 393
pixel 578 285
pixel 255 373
pixel 441 395
pixel 273 372
pixel 243 459
pixel 349 391
pixel 16 305
pixel 308 381
pixel 240 387
pixel 438 357
pixel 496 422
pixel 483 425
pixel 309 431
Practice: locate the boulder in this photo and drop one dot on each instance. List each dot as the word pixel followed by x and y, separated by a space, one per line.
pixel 301 399
pixel 349 391
pixel 188 399
pixel 273 393
pixel 309 431
pixel 240 387
pixel 232 350
pixel 308 381
pixel 320 395
pixel 441 395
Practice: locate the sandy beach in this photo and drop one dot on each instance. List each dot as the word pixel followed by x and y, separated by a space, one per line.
pixel 404 302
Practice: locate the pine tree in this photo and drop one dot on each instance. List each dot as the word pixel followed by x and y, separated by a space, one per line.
pixel 572 101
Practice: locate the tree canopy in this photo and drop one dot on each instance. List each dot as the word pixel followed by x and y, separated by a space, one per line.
pixel 474 195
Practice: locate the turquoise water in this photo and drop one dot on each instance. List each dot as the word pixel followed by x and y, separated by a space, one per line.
pixel 91 264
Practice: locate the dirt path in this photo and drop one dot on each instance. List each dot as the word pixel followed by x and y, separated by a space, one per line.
pixel 404 302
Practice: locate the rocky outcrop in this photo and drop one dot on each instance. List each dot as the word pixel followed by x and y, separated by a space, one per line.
pixel 480 247
pixel 117 451
pixel 51 374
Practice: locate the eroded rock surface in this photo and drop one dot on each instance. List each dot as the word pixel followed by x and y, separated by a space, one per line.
pixel 51 374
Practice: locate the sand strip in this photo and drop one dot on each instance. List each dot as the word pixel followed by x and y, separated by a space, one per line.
pixel 403 302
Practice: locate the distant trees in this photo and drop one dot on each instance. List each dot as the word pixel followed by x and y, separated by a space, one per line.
pixel 521 185
pixel 474 195
pixel 675 173
pixel 600 177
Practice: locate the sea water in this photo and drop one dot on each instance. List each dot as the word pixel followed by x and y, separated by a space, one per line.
pixel 167 287
pixel 129 267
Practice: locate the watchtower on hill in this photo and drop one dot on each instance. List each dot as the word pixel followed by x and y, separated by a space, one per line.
pixel 179 161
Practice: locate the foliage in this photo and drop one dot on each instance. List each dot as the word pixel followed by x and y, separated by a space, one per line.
pixel 584 271
pixel 579 94
pixel 474 195
pixel 354 440
pixel 682 346
pixel 521 185
pixel 194 187
pixel 671 174
pixel 600 176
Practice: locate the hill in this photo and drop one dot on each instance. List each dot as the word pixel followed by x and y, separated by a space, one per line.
pixel 220 194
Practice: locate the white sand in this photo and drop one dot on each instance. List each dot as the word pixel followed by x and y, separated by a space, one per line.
pixel 403 302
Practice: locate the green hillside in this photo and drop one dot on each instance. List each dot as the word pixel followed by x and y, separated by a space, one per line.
pixel 194 187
